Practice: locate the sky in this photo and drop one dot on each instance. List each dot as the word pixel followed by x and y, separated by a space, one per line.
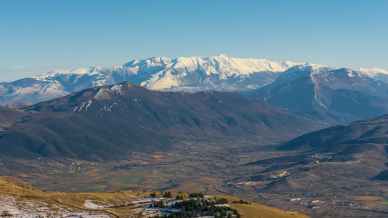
pixel 41 35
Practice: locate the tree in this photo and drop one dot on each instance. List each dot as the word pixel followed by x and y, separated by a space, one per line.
pixel 196 195
pixel 167 195
pixel 181 196
pixel 221 201
pixel 153 195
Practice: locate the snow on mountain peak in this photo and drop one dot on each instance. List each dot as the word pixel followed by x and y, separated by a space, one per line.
pixel 66 72
pixel 373 71
pixel 171 73
pixel 251 65
pixel 220 72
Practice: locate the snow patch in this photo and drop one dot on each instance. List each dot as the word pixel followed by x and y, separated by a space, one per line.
pixel 89 204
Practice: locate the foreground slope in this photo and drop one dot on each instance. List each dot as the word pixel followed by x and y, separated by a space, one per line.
pixel 110 121
pixel 19 199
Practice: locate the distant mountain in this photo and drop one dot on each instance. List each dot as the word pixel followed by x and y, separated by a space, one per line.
pixel 110 121
pixel 333 95
pixel 221 73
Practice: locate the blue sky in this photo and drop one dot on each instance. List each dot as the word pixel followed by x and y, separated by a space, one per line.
pixel 36 36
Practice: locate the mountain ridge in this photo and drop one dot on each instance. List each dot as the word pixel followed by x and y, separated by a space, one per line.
pixel 335 95
pixel 345 137
pixel 109 121
pixel 327 94
pixel 222 73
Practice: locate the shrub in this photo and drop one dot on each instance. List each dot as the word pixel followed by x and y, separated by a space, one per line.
pixel 221 201
pixel 196 195
pixel 167 195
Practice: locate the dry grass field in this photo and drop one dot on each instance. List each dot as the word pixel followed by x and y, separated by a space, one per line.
pixel 76 201
pixel 254 210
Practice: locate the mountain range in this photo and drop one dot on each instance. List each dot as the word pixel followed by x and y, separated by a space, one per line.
pixel 328 94
pixel 110 121
pixel 221 73
pixel 249 126
pixel 334 95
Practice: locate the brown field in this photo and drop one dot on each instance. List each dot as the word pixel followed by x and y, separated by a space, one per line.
pixel 254 210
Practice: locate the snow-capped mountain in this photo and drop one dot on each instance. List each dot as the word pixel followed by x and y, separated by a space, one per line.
pixel 214 73
pixel 330 94
pixel 190 74
pixel 376 73
pixel 220 72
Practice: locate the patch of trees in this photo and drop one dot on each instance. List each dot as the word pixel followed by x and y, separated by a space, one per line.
pixel 197 207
